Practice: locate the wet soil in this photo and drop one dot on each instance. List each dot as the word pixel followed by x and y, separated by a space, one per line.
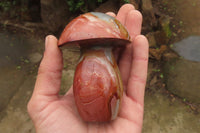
pixel 184 23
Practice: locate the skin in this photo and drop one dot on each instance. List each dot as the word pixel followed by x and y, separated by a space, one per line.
pixel 52 113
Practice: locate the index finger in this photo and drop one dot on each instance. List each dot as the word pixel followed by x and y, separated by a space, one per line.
pixel 50 70
pixel 133 24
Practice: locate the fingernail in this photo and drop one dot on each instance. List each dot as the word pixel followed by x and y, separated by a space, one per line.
pixel 46 41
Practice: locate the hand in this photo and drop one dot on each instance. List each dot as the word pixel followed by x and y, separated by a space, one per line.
pixel 52 113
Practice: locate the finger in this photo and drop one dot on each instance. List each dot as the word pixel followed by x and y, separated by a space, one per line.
pixel 123 12
pixel 50 70
pixel 111 14
pixel 133 24
pixel 125 64
pixel 138 74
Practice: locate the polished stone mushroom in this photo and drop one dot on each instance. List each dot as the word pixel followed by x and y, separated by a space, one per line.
pixel 97 82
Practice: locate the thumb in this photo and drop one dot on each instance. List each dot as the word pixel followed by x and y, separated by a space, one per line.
pixel 50 70
pixel 48 81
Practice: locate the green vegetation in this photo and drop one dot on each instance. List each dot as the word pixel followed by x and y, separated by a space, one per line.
pixel 26 61
pixel 6 5
pixel 156 70
pixel 126 1
pixel 82 5
pixel 22 59
pixel 73 5
pixel 193 4
pixel 181 23
pixel 161 76
pixel 7 57
pixel 85 5
pixel 167 30
pixel 11 44
pixel 172 68
pixel 18 67
pixel 65 66
pixel 14 9
pixel 184 99
pixel 174 34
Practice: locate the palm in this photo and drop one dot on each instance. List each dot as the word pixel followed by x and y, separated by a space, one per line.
pixel 52 113
pixel 65 118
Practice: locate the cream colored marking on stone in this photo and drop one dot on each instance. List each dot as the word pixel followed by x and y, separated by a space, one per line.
pixel 90 18
pixel 115 111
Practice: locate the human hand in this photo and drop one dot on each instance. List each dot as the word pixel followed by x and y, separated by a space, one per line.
pixel 52 113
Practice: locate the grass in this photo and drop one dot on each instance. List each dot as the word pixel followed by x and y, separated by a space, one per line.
pixel 161 76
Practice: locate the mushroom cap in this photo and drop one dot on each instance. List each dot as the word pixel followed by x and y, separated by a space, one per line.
pixel 92 29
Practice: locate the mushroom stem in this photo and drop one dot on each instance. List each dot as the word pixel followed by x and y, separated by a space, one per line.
pixel 97 85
